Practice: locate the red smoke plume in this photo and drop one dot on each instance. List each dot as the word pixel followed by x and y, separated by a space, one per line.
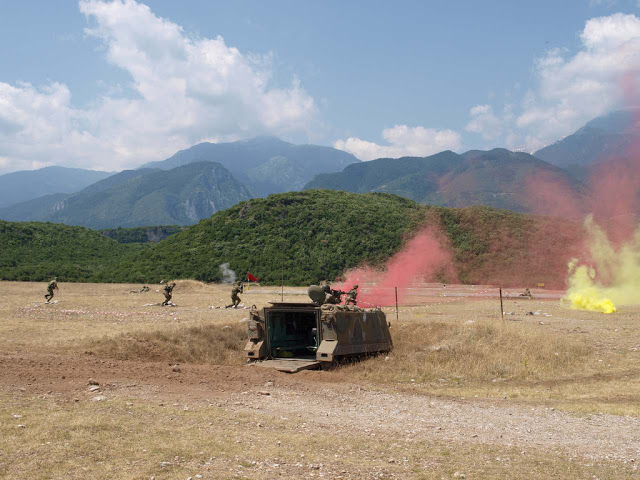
pixel 612 195
pixel 616 183
pixel 423 258
pixel 549 193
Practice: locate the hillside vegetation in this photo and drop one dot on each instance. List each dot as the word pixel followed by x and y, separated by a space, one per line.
pixel 303 237
pixel 314 235
pixel 141 234
pixel 39 251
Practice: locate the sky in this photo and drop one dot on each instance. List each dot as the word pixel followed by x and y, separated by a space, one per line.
pixel 111 85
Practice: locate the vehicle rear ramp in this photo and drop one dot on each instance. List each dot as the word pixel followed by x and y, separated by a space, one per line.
pixel 289 365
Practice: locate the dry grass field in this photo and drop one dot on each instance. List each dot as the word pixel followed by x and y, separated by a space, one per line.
pixel 464 394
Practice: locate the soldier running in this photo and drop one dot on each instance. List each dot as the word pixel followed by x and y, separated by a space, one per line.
pixel 351 296
pixel 168 291
pixel 235 299
pixel 53 285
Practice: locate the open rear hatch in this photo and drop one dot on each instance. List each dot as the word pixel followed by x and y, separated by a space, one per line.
pixel 292 339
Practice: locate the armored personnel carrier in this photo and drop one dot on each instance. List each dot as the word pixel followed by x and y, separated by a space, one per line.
pixel 297 336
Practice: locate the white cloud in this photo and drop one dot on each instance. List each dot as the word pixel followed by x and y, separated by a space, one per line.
pixel 187 89
pixel 571 89
pixel 404 141
pixel 485 122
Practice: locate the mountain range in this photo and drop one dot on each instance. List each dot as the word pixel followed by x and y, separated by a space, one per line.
pixel 25 185
pixel 203 179
pixel 497 178
pixel 264 164
pixel 133 198
pixel 605 137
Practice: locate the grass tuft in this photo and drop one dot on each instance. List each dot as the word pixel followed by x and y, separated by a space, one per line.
pixel 482 351
pixel 204 344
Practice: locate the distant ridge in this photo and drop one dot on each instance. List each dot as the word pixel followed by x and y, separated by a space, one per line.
pixel 264 164
pixel 496 178
pixel 17 187
pixel 135 198
pixel 600 139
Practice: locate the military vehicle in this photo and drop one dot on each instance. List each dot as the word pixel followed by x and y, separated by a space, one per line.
pixel 296 336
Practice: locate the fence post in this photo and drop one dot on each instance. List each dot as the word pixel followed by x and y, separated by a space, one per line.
pixel 396 303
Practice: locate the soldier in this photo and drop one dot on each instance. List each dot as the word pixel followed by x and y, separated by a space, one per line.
pixel 168 291
pixel 53 285
pixel 351 296
pixel 235 299
pixel 142 290
pixel 527 293
pixel 333 297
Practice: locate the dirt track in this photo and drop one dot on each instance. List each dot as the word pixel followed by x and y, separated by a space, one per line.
pixel 324 399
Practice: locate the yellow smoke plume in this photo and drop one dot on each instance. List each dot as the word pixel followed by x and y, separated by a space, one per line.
pixel 612 277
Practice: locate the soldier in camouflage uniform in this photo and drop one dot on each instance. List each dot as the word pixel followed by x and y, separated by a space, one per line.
pixel 351 296
pixel 235 299
pixel 168 292
pixel 333 297
pixel 53 285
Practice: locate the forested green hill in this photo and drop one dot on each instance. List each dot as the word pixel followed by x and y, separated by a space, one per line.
pixel 318 234
pixel 38 251
pixel 311 236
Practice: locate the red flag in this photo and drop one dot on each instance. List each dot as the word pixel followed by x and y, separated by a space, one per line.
pixel 252 278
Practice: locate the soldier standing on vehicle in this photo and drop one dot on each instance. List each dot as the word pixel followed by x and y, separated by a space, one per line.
pixel 53 285
pixel 168 292
pixel 333 297
pixel 351 296
pixel 235 299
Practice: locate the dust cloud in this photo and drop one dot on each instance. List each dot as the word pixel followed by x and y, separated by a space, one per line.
pixel 228 275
